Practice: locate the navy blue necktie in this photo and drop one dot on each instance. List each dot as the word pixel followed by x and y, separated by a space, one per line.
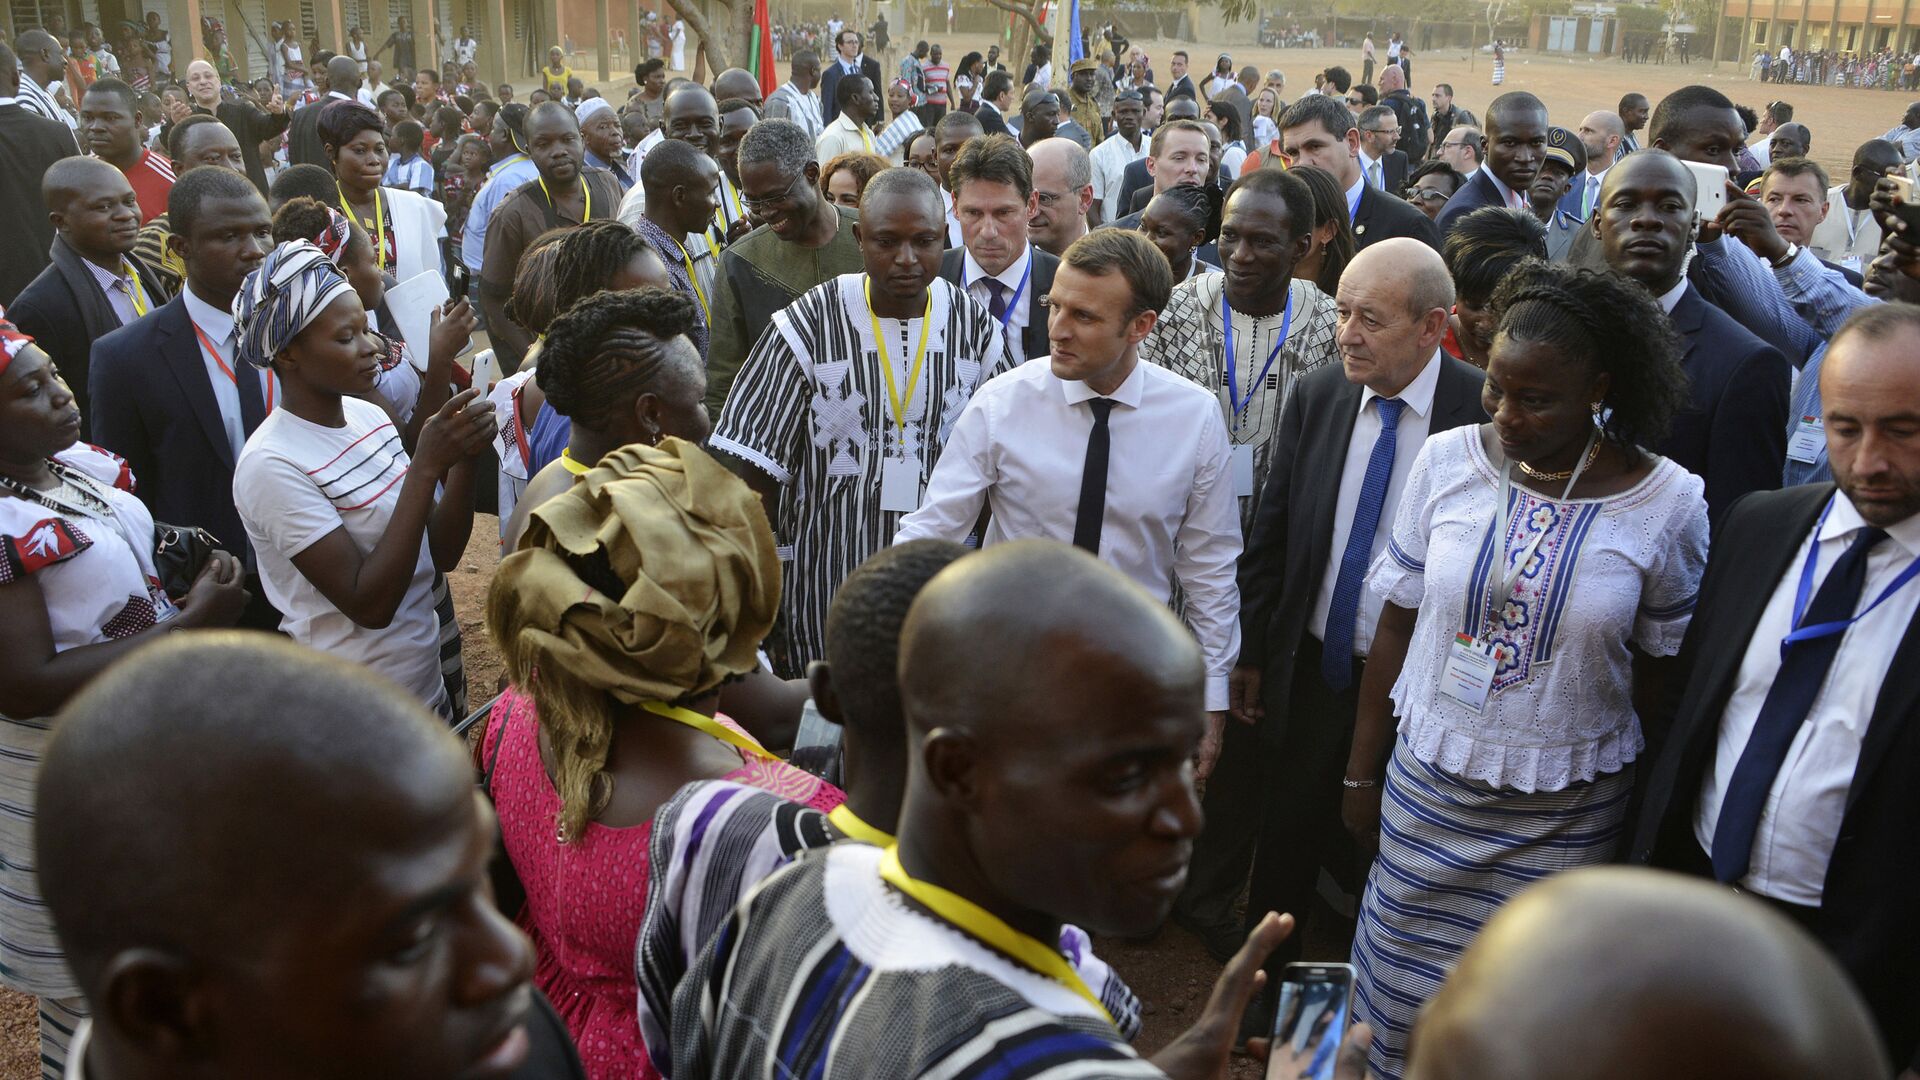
pixel 1336 659
pixel 997 299
pixel 1093 480
pixel 1802 673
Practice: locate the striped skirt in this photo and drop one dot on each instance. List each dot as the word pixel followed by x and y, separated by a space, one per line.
pixel 1451 852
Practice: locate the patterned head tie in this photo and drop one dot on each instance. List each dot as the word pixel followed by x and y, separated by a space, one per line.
pixel 291 288
pixel 11 342
pixel 332 240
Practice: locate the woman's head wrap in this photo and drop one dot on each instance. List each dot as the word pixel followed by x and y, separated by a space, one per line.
pixel 12 340
pixel 293 285
pixel 653 579
pixel 332 240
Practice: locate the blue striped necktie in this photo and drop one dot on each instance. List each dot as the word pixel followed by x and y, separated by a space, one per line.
pixel 1336 658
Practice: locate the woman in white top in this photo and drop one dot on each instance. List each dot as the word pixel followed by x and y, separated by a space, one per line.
pixel 1536 563
pixel 78 591
pixel 346 526
pixel 407 227
pixel 1222 76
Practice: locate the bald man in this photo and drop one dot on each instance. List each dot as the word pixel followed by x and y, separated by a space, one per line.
pixel 213 948
pixel 1609 972
pixel 1600 134
pixel 1063 190
pixel 939 952
pixel 33 143
pixel 250 123
pixel 690 115
pixel 96 283
pixel 738 83
pixel 303 131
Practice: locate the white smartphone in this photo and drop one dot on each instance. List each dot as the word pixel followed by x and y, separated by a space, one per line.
pixel 1315 1008
pixel 485 371
pixel 1710 185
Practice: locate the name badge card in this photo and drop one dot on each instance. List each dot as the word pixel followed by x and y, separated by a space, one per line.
pixel 900 484
pixel 1809 438
pixel 1468 676
pixel 1243 470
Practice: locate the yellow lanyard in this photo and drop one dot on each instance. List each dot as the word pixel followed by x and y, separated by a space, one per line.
pixel 854 827
pixel 982 925
pixel 568 463
pixel 694 279
pixel 585 193
pixel 135 292
pixel 379 223
pixel 894 397
pixel 707 725
pixel 866 136
pixel 729 195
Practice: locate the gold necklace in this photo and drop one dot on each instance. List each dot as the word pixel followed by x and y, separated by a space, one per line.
pixel 1538 475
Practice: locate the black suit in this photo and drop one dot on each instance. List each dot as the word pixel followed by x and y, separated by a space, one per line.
pixel 1133 179
pixel 1479 191
pixel 1733 431
pixel 33 144
pixel 1381 216
pixel 252 125
pixel 1276 787
pixel 831 69
pixel 66 311
pixel 1033 338
pixel 303 135
pixel 991 122
pixel 1871 898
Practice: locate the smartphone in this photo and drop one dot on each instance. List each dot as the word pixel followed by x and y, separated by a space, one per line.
pixel 1315 1008
pixel 457 280
pixel 486 370
pixel 1710 184
pixel 1902 190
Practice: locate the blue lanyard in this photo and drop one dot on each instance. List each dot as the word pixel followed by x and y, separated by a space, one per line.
pixel 1805 591
pixel 1013 302
pixel 1233 390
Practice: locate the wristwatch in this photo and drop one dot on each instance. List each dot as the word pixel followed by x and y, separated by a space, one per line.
pixel 1793 250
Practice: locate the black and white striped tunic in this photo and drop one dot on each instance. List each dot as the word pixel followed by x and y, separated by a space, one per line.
pixel 810 409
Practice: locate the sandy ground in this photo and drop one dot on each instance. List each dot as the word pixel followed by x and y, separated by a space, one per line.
pixel 1172 974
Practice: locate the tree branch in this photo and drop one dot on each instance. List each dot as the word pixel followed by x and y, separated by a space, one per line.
pixel 702 30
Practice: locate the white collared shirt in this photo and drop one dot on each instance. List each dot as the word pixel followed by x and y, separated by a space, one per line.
pixel 119 289
pixel 1509 197
pixel 1354 193
pixel 1671 298
pixel 1110 160
pixel 1010 279
pixel 1808 798
pixel 1416 422
pixel 954 236
pixel 1020 447
pixel 217 325
pixel 1596 180
pixel 1367 163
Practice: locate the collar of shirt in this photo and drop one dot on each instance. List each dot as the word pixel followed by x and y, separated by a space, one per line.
pixel 1671 298
pixel 216 323
pixel 1358 189
pixel 1845 520
pixel 1601 176
pixel 338 94
pixel 852 67
pixel 1127 393
pixel 1011 277
pixel 848 124
pixel 1418 394
pixel 1507 194
pixel 107 278
pixel 9 101
pixel 1367 161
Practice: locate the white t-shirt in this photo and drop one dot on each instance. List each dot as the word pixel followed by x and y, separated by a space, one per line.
pixel 295 483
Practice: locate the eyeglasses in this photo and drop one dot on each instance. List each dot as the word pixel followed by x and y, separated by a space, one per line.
pixel 1381 131
pixel 754 205
pixel 1427 194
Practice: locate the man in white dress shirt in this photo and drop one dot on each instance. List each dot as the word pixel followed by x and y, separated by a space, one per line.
pixel 1124 147
pixel 1790 770
pixel 1088 445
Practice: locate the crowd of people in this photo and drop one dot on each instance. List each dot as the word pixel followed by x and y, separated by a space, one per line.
pixel 1881 70
pixel 947 513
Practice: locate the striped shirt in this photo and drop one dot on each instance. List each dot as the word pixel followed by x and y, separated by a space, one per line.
pixel 811 410
pixel 34 99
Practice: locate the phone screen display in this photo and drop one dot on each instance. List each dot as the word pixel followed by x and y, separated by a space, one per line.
pixel 1312 1018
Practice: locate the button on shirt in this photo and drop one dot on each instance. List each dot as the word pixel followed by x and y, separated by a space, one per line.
pixel 1019 448
pixel 218 326
pixel 1416 422
pixel 1804 809
pixel 1010 279
pixel 119 290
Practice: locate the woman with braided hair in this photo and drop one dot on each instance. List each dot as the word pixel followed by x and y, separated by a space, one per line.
pixel 1176 221
pixel 349 529
pixel 635 596
pixel 1538 566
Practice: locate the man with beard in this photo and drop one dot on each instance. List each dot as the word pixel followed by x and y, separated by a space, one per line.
pixel 800 240
pixel 1516 145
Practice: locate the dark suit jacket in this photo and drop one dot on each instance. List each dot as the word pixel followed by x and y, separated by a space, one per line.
pixel 153 405
pixel 1133 179
pixel 832 67
pixel 1478 191
pixel 1291 542
pixel 303 135
pixel 33 143
pixel 1871 901
pixel 1033 339
pixel 1381 215
pixel 1733 432
pixel 252 125
pixel 991 121
pixel 66 326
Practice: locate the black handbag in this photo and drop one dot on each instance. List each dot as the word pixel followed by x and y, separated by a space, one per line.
pixel 179 554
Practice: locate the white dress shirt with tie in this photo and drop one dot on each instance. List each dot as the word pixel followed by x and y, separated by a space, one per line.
pixel 1416 422
pixel 1801 818
pixel 217 325
pixel 1020 447
pixel 1590 190
pixel 1372 172
pixel 1017 304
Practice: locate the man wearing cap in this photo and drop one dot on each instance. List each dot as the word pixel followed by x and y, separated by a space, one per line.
pixel 1084 102
pixel 601 136
pixel 1120 149
pixel 1566 158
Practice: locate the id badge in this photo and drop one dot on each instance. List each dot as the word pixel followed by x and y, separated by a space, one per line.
pixel 1243 470
pixel 1809 438
pixel 1468 676
pixel 900 484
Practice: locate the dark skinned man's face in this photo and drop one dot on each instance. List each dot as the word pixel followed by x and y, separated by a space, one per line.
pixel 1645 219
pixel 1516 145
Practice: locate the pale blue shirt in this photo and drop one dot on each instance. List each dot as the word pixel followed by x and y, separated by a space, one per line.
pixel 503 181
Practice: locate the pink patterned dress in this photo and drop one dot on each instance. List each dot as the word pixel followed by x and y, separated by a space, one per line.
pixel 585 900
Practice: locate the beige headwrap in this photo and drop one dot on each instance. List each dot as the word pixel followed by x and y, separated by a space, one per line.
pixel 688 547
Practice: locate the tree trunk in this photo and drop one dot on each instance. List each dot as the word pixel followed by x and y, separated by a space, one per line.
pixel 1028 32
pixel 703 32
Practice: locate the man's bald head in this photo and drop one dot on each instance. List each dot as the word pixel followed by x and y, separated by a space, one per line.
pixel 1401 286
pixel 79 176
pixel 737 83
pixel 1613 972
pixel 1050 774
pixel 343 75
pixel 689 98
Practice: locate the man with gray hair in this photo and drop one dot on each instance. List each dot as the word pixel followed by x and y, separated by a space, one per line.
pixel 799 240
pixel 1063 192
